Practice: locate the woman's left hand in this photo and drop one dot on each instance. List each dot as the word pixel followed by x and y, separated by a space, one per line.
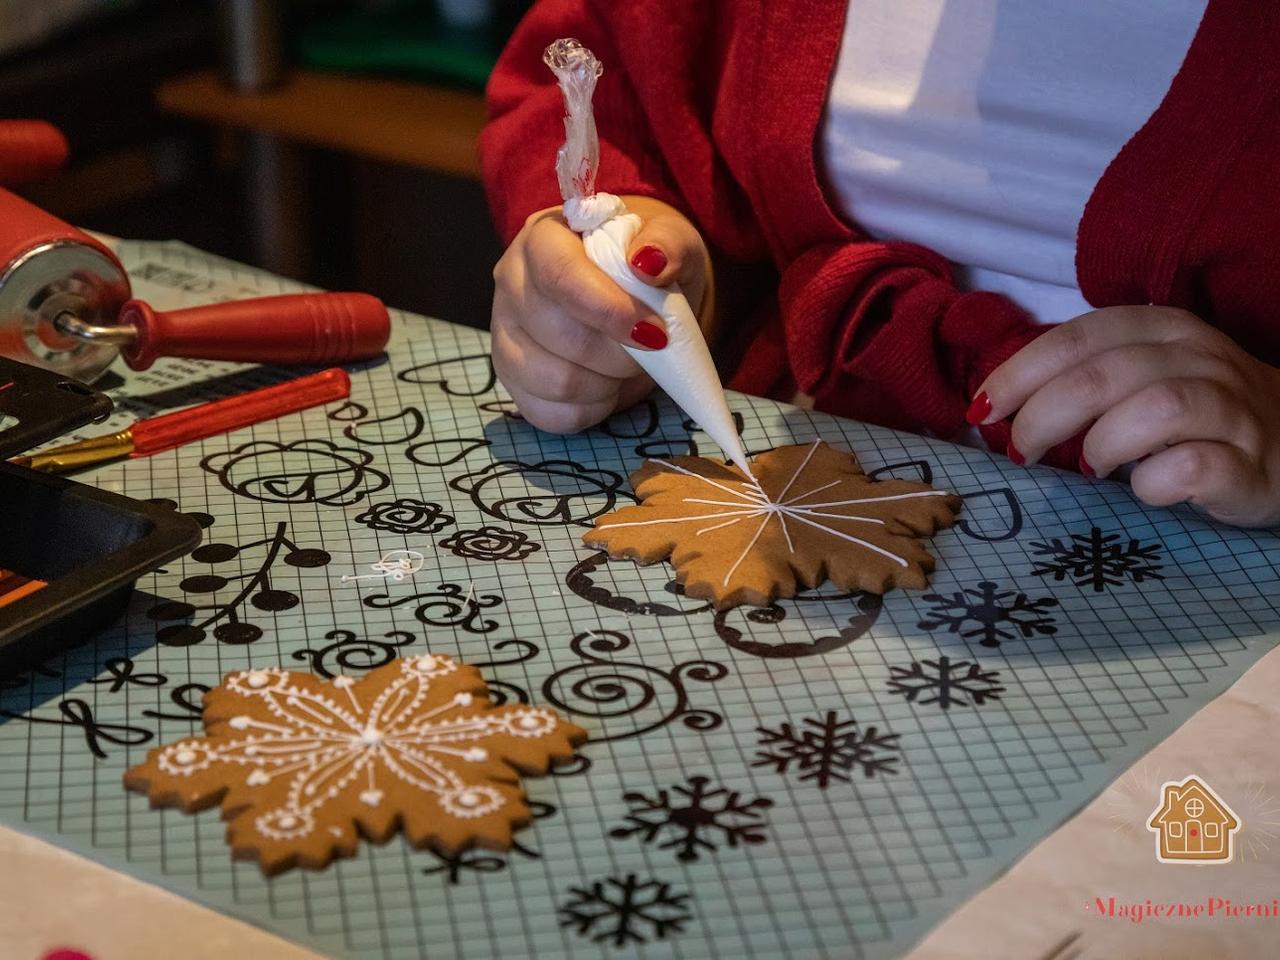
pixel 1158 385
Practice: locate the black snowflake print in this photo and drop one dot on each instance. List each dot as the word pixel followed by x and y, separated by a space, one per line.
pixel 622 911
pixel 693 818
pixel 253 588
pixel 1097 560
pixel 405 515
pixel 304 471
pixel 945 682
pixel 826 749
pixel 490 543
pixel 996 614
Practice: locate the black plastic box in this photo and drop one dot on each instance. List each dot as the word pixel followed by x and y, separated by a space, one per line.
pixel 90 546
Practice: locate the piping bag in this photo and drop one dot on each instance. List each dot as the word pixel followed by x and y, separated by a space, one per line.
pixel 683 368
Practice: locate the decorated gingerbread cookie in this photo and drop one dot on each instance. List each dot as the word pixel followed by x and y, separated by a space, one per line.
pixel 303 767
pixel 810 515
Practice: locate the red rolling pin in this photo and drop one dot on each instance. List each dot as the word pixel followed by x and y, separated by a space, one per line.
pixel 64 298
pixel 30 150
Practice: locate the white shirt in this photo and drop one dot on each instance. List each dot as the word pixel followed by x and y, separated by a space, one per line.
pixel 979 128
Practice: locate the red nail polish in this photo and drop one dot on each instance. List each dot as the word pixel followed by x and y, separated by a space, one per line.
pixel 649 260
pixel 1086 469
pixel 1015 455
pixel 649 335
pixel 979 410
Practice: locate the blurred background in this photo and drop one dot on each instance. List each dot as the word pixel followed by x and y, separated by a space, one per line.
pixel 332 141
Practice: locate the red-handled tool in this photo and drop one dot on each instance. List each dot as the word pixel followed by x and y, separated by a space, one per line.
pixel 30 150
pixel 301 329
pixel 158 434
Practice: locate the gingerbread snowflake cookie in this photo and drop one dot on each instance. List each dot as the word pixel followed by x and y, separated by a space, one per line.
pixel 303 767
pixel 810 515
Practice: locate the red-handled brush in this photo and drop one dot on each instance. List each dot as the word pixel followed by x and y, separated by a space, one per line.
pixel 158 434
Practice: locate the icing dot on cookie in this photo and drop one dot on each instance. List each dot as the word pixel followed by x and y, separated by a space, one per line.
pixel 529 721
pixel 342 683
pixel 371 736
pixel 185 757
pixel 288 822
pixel 469 798
pixel 239 723
pixel 257 679
pixel 477 754
pixel 463 699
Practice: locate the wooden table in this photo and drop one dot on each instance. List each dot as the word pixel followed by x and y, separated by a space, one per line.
pixel 428 127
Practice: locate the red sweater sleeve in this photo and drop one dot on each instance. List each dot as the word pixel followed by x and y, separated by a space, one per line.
pixel 879 331
pixel 518 146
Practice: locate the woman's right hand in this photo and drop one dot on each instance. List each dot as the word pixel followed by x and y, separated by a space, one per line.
pixel 558 320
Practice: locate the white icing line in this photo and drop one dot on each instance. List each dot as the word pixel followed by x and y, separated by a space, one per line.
pixel 844 536
pixel 351 695
pixel 826 486
pixel 799 470
pixel 718 503
pixel 782 518
pixel 706 516
pixel 727 523
pixel 747 549
pixel 301 704
pixel 743 494
pixel 242 722
pixel 885 499
pixel 804 511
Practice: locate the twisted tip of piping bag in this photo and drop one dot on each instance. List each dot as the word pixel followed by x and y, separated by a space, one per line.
pixel 584 214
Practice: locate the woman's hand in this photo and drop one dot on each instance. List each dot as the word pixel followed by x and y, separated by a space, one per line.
pixel 558 319
pixel 1158 385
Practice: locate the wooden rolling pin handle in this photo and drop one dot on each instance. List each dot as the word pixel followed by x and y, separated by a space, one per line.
pixel 307 329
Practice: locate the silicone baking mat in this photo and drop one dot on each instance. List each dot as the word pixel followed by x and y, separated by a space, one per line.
pixel 826 776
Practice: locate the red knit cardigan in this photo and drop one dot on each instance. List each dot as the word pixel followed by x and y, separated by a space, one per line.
pixel 713 106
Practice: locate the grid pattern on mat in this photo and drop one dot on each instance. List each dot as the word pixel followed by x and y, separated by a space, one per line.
pixel 1073 683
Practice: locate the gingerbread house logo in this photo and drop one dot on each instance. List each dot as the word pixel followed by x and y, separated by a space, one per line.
pixel 1192 824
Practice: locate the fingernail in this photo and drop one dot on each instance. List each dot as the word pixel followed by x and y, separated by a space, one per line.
pixel 1086 469
pixel 649 260
pixel 1015 455
pixel 979 410
pixel 649 335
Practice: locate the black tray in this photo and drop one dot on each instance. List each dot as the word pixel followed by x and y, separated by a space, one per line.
pixel 36 405
pixel 90 546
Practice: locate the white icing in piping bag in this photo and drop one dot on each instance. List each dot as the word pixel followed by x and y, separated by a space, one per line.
pixel 683 368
